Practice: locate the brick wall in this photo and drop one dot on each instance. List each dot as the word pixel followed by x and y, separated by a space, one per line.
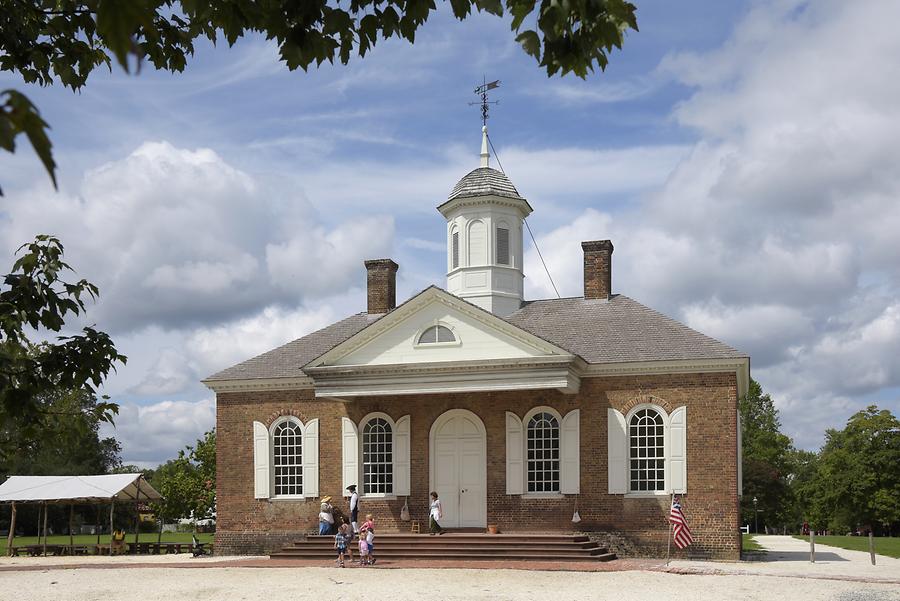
pixel 248 525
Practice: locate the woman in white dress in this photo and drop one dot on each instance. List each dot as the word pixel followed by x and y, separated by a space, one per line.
pixel 435 514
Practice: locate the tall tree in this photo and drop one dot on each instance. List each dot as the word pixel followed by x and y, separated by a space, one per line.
pixel 188 482
pixel 766 461
pixel 35 298
pixel 859 473
pixel 65 40
pixel 68 443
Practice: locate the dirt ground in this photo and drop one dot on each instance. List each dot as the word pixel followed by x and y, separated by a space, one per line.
pixel 320 584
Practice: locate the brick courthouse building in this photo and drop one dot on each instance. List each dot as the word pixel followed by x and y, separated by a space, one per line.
pixel 514 411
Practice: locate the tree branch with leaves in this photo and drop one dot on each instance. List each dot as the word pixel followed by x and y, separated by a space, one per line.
pixel 48 41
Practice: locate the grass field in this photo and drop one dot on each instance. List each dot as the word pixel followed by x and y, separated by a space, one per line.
pixel 750 543
pixel 90 539
pixel 889 546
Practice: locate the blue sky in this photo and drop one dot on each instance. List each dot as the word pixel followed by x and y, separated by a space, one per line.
pixel 740 155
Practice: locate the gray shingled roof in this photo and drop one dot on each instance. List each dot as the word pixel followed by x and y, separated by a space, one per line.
pixel 614 331
pixel 484 181
pixel 286 361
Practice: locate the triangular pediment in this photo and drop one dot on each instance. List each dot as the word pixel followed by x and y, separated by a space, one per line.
pixel 478 336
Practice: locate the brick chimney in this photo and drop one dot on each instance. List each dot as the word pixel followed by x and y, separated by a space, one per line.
pixel 382 285
pixel 597 268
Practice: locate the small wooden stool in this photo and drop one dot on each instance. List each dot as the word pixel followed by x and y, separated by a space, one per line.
pixel 414 527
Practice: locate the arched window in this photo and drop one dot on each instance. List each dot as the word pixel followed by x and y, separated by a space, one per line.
pixel 287 458
pixel 543 453
pixel 378 457
pixel 435 334
pixel 647 451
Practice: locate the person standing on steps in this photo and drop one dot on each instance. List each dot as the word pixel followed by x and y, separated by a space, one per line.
pixel 435 514
pixel 354 509
pixel 326 516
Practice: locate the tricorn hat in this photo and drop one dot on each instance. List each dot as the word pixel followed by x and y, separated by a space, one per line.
pixel 351 488
pixel 326 498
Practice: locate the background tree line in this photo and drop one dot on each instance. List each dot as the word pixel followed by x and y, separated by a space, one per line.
pixel 851 484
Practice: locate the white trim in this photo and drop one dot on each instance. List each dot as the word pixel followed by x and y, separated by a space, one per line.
pixel 431 295
pixel 528 416
pixel 740 366
pixel 402 447
pixel 616 452
pixel 311 459
pixel 515 458
pixel 361 485
pixel 435 426
pixel 260 384
pixel 570 453
pixel 520 204
pixel 740 454
pixel 526 373
pixel 349 453
pixel 677 451
pixel 436 323
pixel 272 426
pixel 261 461
pixel 666 457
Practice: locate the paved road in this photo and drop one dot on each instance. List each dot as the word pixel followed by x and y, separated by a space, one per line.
pixel 787 556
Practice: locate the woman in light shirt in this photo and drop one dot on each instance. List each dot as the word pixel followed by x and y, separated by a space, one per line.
pixel 435 514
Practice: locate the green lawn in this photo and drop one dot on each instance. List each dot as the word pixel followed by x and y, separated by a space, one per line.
pixel 889 546
pixel 750 544
pixel 90 539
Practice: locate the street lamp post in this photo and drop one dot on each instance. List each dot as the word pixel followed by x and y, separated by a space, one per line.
pixel 756 516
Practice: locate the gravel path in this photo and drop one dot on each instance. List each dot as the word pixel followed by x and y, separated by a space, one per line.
pixel 370 584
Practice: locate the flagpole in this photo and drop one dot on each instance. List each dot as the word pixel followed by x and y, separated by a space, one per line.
pixel 671 527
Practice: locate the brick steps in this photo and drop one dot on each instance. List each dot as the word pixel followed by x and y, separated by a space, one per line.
pixel 465 546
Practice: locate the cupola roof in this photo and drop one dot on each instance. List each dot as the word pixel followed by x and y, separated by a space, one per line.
pixel 484 181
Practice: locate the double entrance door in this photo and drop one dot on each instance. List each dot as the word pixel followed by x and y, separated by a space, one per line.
pixel 458 468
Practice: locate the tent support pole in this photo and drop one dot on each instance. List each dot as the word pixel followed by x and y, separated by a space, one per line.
pixel 71 525
pixel 98 525
pixel 112 506
pixel 45 528
pixel 12 531
pixel 137 514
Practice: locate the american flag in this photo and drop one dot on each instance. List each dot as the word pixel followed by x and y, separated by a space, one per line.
pixel 681 533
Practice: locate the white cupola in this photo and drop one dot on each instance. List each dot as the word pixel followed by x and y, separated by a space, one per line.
pixel 484 214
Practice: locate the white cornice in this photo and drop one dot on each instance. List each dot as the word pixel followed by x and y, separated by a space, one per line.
pixel 740 366
pixel 559 371
pixel 458 376
pixel 519 204
pixel 260 384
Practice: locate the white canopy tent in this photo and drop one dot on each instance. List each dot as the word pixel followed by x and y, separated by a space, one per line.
pixel 77 489
pixel 72 490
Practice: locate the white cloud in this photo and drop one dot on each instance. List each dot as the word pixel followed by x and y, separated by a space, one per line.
pixel 177 237
pixel 777 231
pixel 152 434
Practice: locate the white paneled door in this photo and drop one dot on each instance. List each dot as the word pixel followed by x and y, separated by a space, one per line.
pixel 458 468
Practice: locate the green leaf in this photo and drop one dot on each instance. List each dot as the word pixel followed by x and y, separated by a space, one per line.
pixel 530 42
pixel 118 22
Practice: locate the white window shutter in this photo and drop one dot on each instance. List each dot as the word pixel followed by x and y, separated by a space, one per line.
pixel 678 450
pixel 515 449
pixel 401 457
pixel 311 459
pixel 570 481
pixel 616 452
pixel 350 452
pixel 260 461
pixel 740 456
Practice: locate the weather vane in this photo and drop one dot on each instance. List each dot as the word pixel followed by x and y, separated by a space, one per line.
pixel 482 91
